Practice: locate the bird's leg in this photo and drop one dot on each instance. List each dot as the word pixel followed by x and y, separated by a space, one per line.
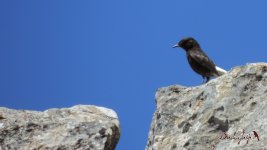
pixel 204 78
pixel 208 78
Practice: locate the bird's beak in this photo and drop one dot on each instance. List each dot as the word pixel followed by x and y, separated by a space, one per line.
pixel 176 45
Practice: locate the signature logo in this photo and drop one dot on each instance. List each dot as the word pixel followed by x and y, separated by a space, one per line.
pixel 239 136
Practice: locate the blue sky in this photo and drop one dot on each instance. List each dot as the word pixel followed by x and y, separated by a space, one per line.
pixel 117 53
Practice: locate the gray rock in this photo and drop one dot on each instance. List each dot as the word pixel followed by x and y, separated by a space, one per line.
pixel 81 127
pixel 207 116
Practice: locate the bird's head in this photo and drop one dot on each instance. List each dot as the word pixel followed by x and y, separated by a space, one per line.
pixel 187 43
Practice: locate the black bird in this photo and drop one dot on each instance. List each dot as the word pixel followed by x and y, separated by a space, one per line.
pixel 198 60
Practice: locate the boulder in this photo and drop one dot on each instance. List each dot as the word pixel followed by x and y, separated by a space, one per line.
pixel 229 112
pixel 80 127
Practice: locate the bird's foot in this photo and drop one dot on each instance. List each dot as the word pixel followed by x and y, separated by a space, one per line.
pixel 205 80
pixel 208 78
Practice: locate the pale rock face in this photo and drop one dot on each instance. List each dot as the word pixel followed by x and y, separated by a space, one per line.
pixel 199 118
pixel 80 127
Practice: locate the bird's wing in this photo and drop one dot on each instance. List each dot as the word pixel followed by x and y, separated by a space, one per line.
pixel 201 58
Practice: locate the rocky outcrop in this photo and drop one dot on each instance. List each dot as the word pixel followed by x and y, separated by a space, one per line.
pixel 227 113
pixel 80 127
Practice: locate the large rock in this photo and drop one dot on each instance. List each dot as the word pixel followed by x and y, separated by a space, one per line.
pixel 207 116
pixel 80 127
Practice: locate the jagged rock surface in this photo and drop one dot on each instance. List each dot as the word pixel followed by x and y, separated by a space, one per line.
pixel 80 127
pixel 199 118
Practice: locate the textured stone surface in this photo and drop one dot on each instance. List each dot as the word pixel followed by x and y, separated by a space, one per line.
pixel 80 127
pixel 198 118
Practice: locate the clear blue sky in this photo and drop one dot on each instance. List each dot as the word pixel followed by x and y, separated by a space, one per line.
pixel 117 53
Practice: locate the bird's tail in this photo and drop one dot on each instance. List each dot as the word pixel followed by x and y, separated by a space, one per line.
pixel 220 71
